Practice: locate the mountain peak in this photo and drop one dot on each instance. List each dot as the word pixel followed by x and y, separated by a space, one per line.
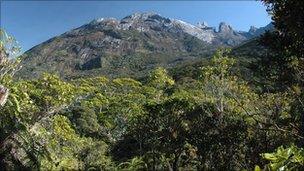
pixel 202 25
pixel 144 21
pixel 225 28
pixel 253 29
pixel 142 16
pixel 103 20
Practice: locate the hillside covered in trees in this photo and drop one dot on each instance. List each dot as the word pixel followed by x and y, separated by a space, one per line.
pixel 240 109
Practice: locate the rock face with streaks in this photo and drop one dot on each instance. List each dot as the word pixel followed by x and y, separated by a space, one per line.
pixel 129 47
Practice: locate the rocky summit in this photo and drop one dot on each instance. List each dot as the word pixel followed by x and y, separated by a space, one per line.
pixel 129 47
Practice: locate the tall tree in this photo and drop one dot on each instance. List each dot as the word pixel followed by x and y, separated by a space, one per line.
pixel 287 41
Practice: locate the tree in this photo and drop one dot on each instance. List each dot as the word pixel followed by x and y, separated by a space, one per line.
pixel 287 66
pixel 160 79
pixel 286 63
pixel 287 16
pixel 222 88
pixel 29 103
pixel 8 48
pixel 160 133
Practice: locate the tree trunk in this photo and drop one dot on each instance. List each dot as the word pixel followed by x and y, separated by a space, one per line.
pixel 3 95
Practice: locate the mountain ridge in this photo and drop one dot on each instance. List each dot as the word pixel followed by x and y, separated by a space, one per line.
pixel 201 27
pixel 131 46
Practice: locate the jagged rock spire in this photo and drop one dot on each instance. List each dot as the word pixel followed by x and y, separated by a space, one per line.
pixel 252 29
pixel 202 25
pixel 225 28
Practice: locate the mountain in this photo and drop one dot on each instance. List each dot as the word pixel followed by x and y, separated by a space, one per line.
pixel 255 32
pixel 129 47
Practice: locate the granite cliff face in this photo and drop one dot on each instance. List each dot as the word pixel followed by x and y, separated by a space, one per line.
pixel 130 47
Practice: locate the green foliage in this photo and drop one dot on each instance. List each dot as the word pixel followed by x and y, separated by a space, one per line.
pixel 284 68
pixel 155 124
pixel 67 150
pixel 160 79
pixel 285 65
pixel 208 118
pixel 134 164
pixel 170 134
pixel 222 88
pixel 85 120
pixel 291 158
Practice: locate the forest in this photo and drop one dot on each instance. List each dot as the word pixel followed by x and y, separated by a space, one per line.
pixel 218 120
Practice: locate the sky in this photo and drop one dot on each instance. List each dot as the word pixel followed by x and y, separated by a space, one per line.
pixel 33 22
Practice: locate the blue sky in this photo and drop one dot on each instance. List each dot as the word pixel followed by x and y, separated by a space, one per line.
pixel 33 22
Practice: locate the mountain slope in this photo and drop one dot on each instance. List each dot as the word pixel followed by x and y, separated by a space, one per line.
pixel 129 47
pixel 248 54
